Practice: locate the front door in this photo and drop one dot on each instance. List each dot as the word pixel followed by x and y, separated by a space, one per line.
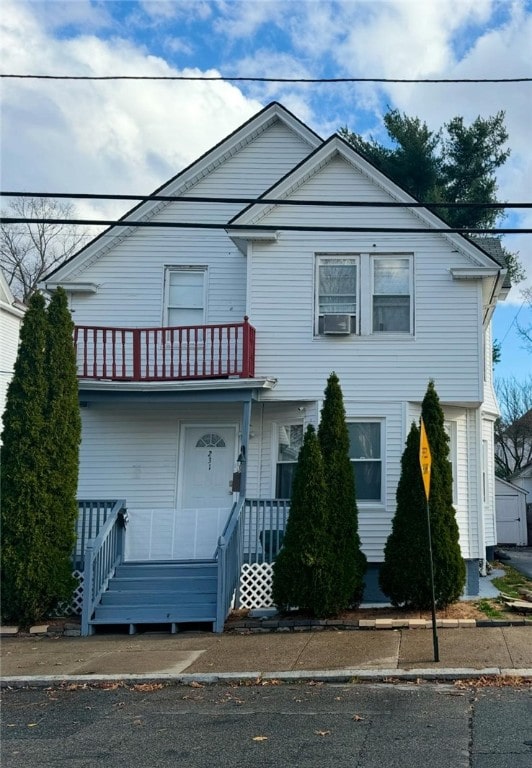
pixel 208 463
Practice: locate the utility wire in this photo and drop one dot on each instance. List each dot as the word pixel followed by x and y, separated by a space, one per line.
pixel 261 200
pixel 223 78
pixel 263 227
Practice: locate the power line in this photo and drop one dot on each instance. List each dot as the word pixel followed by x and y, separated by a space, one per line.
pixel 224 78
pixel 263 227
pixel 262 200
pixel 514 322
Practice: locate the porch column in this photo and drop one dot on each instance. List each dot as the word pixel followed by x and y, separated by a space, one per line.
pixel 244 442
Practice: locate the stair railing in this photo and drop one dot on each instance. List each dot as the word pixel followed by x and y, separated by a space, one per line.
pixel 228 555
pixel 102 555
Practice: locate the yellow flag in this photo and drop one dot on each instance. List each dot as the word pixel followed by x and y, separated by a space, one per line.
pixel 425 459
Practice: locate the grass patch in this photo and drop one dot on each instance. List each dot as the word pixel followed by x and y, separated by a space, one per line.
pixel 511 582
pixel 489 608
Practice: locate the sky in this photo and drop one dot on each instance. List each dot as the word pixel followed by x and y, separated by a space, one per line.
pixel 129 137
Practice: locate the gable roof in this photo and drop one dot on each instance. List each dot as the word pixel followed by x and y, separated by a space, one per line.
pixel 337 146
pixel 184 180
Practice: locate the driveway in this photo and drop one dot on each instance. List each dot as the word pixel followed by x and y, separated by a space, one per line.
pixel 521 560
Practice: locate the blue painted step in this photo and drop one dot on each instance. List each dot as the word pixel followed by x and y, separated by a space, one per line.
pixel 158 593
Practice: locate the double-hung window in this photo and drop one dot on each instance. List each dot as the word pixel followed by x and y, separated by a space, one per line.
pixel 289 442
pixel 392 290
pixel 337 282
pixel 185 296
pixel 365 452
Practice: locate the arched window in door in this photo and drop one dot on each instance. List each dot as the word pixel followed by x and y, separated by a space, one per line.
pixel 210 440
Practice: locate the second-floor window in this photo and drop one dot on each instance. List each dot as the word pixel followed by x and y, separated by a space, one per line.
pixel 391 295
pixel 337 291
pixel 185 296
pixel 364 294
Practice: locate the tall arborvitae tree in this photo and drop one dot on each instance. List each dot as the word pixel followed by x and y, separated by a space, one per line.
pixel 63 438
pixel 39 465
pixel 405 574
pixel 333 437
pixel 304 573
pixel 448 562
pixel 24 494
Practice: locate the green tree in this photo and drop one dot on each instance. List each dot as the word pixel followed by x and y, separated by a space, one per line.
pixel 304 571
pixel 24 494
pixel 333 437
pixel 456 164
pixel 405 574
pixel 63 437
pixel 39 465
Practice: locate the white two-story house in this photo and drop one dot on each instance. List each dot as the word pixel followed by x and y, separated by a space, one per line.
pixel 207 323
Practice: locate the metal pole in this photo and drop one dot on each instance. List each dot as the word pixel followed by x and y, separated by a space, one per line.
pixel 434 630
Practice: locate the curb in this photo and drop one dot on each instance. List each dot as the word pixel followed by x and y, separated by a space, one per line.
pixel 352 676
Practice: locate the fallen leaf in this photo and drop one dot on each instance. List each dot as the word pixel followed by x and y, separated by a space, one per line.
pixel 195 684
pixel 322 733
pixel 260 738
pixel 357 718
pixel 141 687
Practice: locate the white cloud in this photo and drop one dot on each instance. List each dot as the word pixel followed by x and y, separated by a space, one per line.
pixel 118 136
pixel 126 136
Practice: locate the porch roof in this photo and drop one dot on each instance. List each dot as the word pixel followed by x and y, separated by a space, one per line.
pixel 213 390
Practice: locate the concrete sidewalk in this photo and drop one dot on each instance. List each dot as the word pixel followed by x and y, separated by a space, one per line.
pixel 324 655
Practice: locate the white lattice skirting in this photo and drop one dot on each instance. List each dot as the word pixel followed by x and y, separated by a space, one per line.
pixel 73 606
pixel 256 585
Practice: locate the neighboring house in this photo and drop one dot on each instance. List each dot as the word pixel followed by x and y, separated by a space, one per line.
pixel 11 314
pixel 510 502
pixel 194 415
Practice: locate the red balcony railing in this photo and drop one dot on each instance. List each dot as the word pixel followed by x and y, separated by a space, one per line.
pixel 165 354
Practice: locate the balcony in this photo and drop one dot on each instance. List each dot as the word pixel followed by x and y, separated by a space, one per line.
pixel 166 354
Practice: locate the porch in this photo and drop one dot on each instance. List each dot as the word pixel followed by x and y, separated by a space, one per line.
pixel 181 353
pixel 175 592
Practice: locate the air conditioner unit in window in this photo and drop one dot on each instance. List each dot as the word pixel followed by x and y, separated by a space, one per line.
pixel 339 325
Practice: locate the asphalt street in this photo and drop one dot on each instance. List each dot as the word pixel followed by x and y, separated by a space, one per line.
pixel 521 560
pixel 325 725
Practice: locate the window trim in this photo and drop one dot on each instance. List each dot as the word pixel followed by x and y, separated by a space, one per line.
pixel 382 424
pixel 200 269
pixel 374 258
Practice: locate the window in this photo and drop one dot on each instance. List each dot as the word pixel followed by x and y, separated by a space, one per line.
pixel 391 295
pixel 364 294
pixel 450 429
pixel 366 458
pixel 289 442
pixel 185 296
pixel 337 289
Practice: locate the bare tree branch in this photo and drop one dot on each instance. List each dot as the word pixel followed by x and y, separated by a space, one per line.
pixel 28 251
pixel 513 430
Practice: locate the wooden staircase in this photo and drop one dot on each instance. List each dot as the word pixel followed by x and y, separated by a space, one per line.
pixel 170 593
